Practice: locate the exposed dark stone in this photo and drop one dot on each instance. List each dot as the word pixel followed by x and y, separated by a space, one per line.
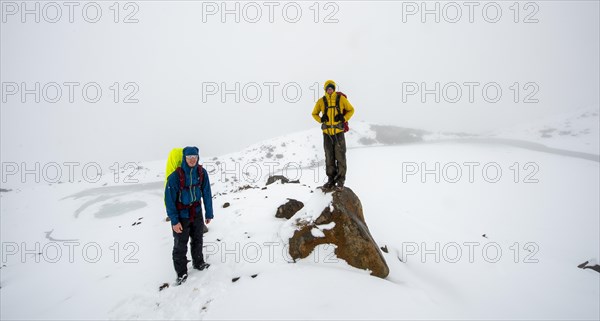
pixel 585 265
pixel 273 179
pixel 288 209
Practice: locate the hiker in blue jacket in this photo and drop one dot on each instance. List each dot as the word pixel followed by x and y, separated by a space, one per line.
pixel 185 187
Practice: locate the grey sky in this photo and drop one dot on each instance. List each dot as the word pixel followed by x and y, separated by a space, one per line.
pixel 173 57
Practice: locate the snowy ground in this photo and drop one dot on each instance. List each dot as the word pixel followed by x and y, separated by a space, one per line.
pixel 496 232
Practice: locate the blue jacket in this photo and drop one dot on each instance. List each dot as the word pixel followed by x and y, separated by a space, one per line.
pixel 188 196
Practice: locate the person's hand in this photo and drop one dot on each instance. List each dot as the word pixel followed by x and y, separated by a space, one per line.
pixel 207 220
pixel 177 228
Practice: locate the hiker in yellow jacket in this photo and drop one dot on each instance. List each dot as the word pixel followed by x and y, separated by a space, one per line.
pixel 332 111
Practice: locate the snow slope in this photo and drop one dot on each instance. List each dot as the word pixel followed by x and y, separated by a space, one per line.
pixel 576 131
pixel 480 237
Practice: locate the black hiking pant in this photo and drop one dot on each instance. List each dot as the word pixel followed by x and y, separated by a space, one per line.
pixel 195 231
pixel 335 157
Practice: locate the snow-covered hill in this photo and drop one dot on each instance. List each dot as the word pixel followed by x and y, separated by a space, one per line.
pixel 576 131
pixel 474 226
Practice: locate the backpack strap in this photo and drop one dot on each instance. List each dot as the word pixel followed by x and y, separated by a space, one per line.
pixel 182 178
pixel 200 175
pixel 337 103
pixel 192 207
pixel 181 175
pixel 325 117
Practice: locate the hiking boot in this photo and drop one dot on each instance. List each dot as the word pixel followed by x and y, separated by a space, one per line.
pixel 329 185
pixel 201 267
pixel 181 279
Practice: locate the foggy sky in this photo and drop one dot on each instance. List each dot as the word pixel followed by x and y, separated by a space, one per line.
pixel 172 58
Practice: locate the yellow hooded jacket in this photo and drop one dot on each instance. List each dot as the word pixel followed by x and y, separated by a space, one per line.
pixel 320 109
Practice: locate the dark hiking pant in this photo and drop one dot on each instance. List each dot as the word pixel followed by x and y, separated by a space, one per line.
pixel 194 231
pixel 335 157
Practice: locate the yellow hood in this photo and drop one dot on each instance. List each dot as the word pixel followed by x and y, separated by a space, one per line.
pixel 329 82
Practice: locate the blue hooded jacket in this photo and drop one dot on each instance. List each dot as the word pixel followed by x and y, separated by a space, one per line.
pixel 188 195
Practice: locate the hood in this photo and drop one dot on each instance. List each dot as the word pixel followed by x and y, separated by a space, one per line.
pixel 190 150
pixel 329 82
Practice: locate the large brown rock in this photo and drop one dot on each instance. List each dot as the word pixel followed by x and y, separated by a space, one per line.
pixel 354 242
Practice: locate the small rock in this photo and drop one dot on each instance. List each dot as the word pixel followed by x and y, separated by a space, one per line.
pixel 288 209
pixel 226 205
pixel 245 187
pixel 235 279
pixel 593 267
pixel 385 249
pixel 273 179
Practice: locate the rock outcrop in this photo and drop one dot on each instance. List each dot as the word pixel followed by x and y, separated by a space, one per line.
pixel 349 233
